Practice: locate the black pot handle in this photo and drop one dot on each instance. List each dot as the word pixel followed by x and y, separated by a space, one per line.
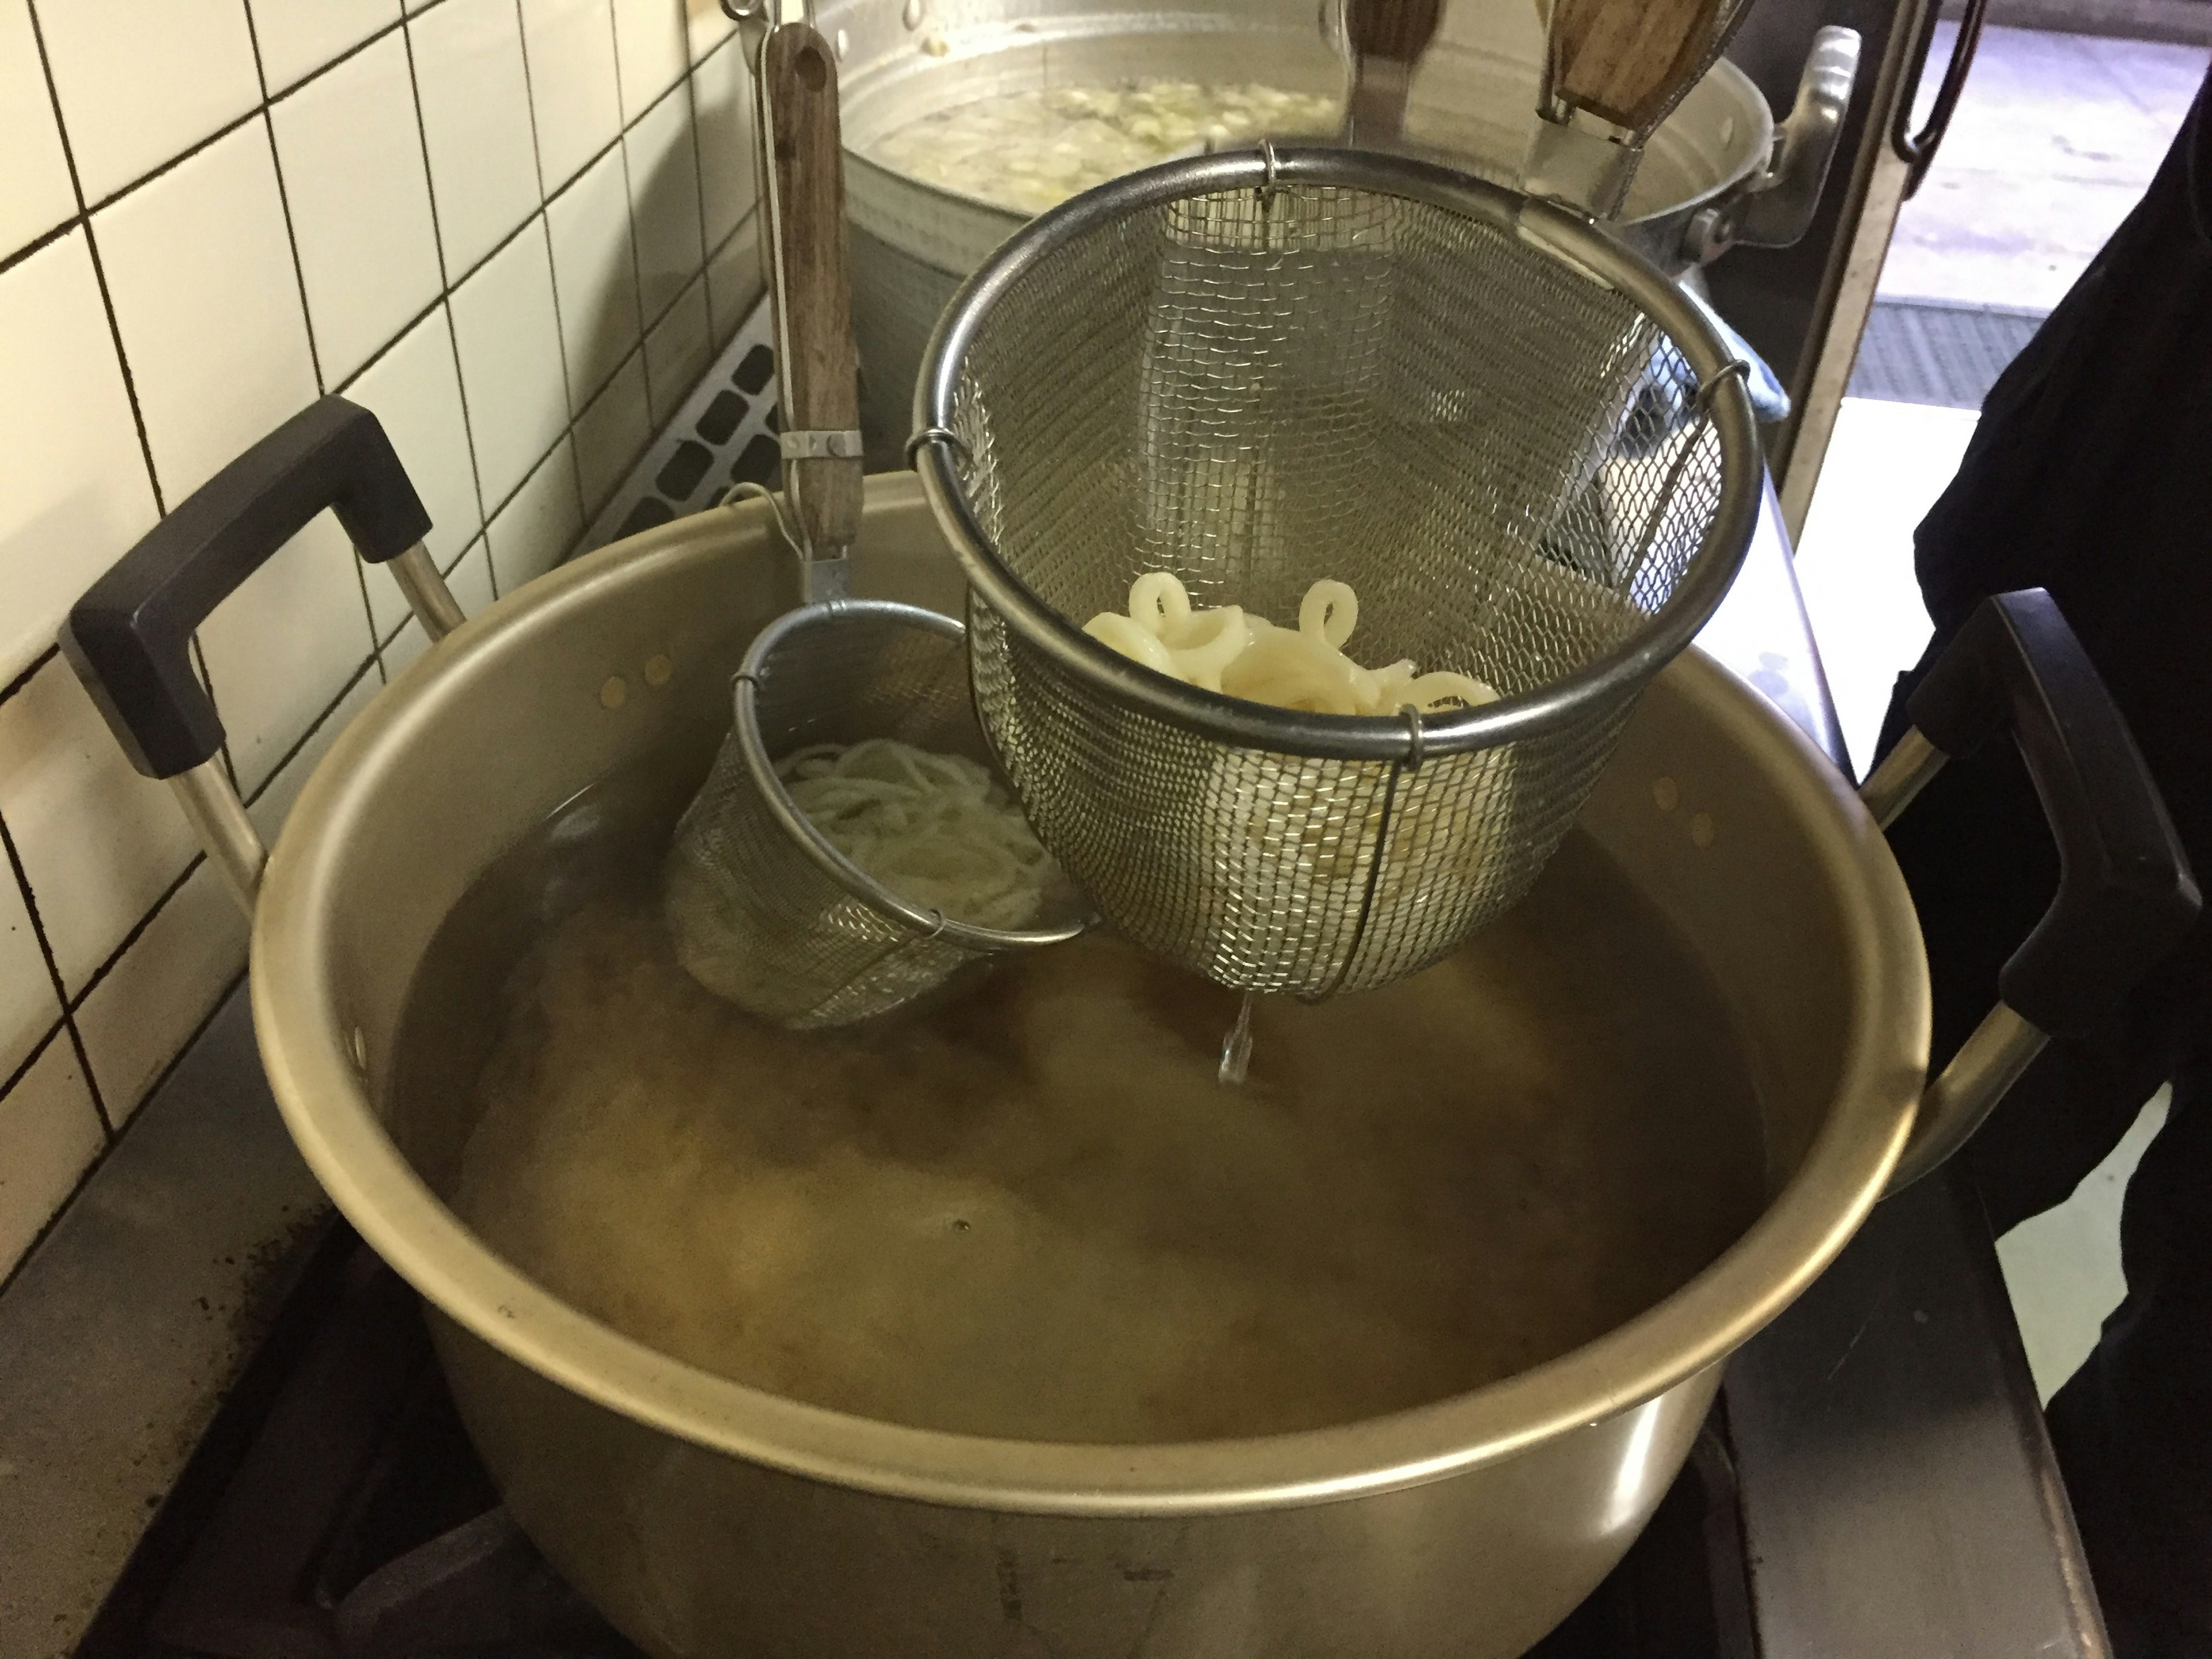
pixel 2126 895
pixel 128 638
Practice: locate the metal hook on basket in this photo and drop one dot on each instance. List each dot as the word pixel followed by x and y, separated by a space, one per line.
pixel 937 435
pixel 1270 185
pixel 741 492
pixel 1735 369
pixel 1416 738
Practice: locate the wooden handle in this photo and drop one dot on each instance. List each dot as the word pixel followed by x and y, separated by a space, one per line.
pixel 1386 37
pixel 816 362
pixel 1628 60
pixel 1398 30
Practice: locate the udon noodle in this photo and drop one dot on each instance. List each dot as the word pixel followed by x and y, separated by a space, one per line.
pixel 1228 650
pixel 936 830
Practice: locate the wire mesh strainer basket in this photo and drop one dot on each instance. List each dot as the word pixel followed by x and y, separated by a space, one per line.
pixel 1521 446
pixel 763 909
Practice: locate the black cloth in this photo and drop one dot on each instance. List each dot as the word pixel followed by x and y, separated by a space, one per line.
pixel 2090 474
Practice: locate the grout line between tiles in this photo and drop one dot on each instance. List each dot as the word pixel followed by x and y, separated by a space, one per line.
pixel 698 151
pixel 352 51
pixel 316 724
pixel 23 1066
pixel 99 267
pixel 468 422
pixel 206 680
pixel 179 159
pixel 569 405
pixel 137 927
pixel 40 244
pixel 54 974
pixel 530 99
pixel 67 1020
pixel 254 41
pixel 500 248
pixel 115 1136
pixel 384 350
pixel 375 648
pixel 423 138
pixel 291 242
pixel 91 1169
pixel 30 673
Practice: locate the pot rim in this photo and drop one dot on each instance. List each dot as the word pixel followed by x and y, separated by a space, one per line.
pixel 305 1042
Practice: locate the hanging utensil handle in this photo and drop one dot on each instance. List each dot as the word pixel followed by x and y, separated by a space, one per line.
pixel 1917 149
pixel 815 363
pixel 129 637
pixel 1613 71
pixel 1386 38
pixel 2125 896
pixel 1629 60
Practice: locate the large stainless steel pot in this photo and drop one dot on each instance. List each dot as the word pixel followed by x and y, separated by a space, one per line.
pixel 1716 172
pixel 711 1519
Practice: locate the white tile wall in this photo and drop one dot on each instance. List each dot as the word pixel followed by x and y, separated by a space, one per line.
pixel 650 51
pixel 540 524
pixel 50 1132
pixel 350 153
pixel 297 37
pixel 573 84
pixel 475 95
pixel 723 87
pixel 595 274
pixel 664 193
pixel 676 351
pixel 611 434
pixel 415 390
pixel 39 196
pixel 29 1009
pixel 212 212
pixel 188 255
pixel 141 84
pixel 282 647
pixel 60 770
pixel 508 330
pixel 73 490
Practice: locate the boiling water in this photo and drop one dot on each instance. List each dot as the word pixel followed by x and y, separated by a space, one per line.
pixel 1030 150
pixel 1029 1210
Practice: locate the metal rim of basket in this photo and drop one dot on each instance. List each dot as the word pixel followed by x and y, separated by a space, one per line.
pixel 1573 239
pixel 802 830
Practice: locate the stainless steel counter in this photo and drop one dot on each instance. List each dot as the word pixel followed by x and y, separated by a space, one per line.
pixel 1899 1494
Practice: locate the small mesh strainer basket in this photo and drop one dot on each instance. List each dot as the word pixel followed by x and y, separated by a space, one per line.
pixel 1520 444
pixel 763 909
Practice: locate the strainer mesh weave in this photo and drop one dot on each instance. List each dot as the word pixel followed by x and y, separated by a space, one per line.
pixel 1256 389
pixel 754 917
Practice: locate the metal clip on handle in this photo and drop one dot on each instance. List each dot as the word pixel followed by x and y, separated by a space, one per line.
pixel 129 638
pixel 2125 893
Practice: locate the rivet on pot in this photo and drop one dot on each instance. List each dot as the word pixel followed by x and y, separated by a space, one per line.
pixel 359 1044
pixel 615 692
pixel 937 45
pixel 1701 829
pixel 842 42
pixel 1666 794
pixel 658 669
pixel 913 14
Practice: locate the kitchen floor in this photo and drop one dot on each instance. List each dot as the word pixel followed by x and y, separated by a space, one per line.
pixel 2053 143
